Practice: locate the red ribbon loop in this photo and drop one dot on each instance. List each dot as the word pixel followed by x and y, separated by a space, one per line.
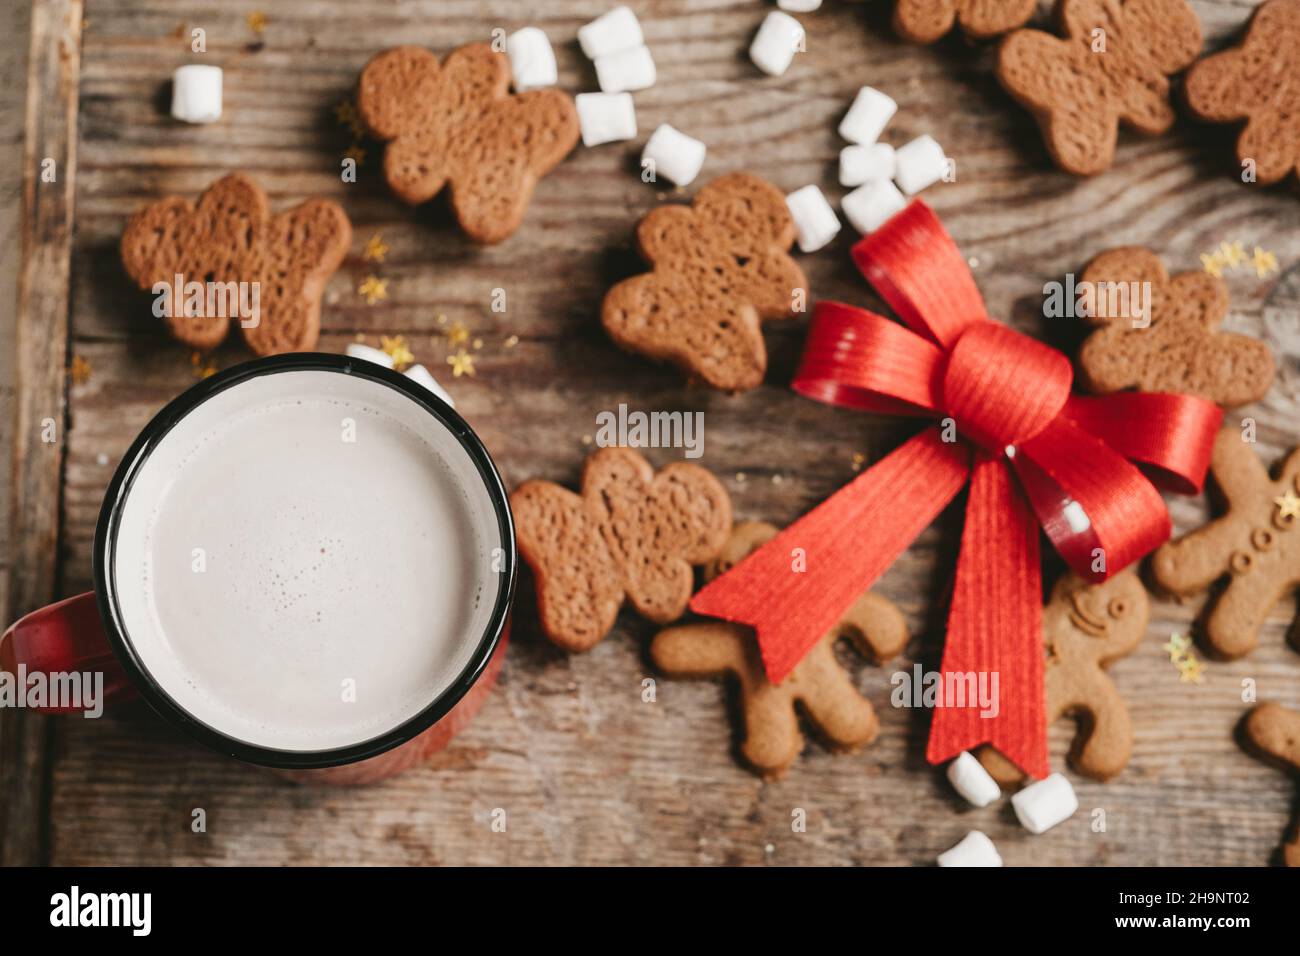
pixel 1073 463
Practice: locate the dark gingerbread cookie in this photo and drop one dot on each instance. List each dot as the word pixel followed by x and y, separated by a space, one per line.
pixel 818 684
pixel 457 125
pixel 1111 66
pixel 721 266
pixel 1176 348
pixel 924 21
pixel 230 243
pixel 1086 628
pixel 1255 546
pixel 1259 82
pixel 632 534
pixel 1274 732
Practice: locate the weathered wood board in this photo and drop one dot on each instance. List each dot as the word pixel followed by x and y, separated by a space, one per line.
pixel 586 771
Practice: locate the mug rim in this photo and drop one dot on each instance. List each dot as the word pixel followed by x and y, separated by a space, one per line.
pixel 119 488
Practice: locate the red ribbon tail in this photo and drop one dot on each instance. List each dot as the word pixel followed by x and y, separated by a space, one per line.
pixel 795 588
pixel 992 670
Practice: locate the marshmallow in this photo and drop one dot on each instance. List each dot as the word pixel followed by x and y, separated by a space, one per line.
pixel 775 44
pixel 1042 805
pixel 196 93
pixel 814 219
pixel 605 117
pixel 867 117
pixel 611 32
pixel 860 164
pixel 673 155
pixel 798 6
pixel 422 376
pixel 626 70
pixel 975 849
pixel 532 61
pixel 921 163
pixel 379 357
pixel 969 778
pixel 868 206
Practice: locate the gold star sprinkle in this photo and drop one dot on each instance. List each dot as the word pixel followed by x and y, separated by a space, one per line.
pixel 256 21
pixel 1288 506
pixel 586 439
pixel 442 320
pixel 201 366
pixel 1178 646
pixel 375 249
pixel 462 363
pixel 512 341
pixel 1233 254
pixel 80 370
pixel 374 289
pixel 457 335
pixel 1191 671
pixel 1212 262
pixel 1264 262
pixel 357 155
pixel 396 349
pixel 858 460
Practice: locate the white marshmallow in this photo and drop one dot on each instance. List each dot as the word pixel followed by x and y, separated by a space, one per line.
pixel 860 164
pixel 969 778
pixel 921 163
pixel 867 117
pixel 532 61
pixel 779 38
pixel 632 69
pixel 871 204
pixel 611 32
pixel 674 155
pixel 799 6
pixel 422 376
pixel 1042 805
pixel 378 356
pixel 605 117
pixel 196 93
pixel 975 849
pixel 814 219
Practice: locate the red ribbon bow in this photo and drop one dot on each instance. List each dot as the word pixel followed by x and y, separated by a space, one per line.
pixel 1004 400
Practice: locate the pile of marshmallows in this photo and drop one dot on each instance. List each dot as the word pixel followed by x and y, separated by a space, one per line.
pixel 1039 807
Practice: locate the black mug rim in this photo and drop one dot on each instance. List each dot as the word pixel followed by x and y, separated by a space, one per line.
pixel 119 488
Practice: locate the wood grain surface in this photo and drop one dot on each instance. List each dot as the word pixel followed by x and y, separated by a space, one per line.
pixel 585 771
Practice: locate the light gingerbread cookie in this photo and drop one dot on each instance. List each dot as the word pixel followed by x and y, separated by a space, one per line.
pixel 1177 347
pixel 721 267
pixel 1257 82
pixel 630 535
pixel 457 124
pixel 1086 628
pixel 818 684
pixel 231 243
pixel 1110 66
pixel 1255 545
pixel 925 21
pixel 1273 732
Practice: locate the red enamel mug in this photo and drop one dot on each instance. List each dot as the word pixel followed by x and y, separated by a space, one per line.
pixel 305 562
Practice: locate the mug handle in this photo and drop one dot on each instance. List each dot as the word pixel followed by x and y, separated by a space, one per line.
pixel 65 637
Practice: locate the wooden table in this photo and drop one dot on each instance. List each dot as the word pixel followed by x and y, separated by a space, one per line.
pixel 586 772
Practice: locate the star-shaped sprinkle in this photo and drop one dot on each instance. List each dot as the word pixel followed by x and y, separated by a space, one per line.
pixel 256 21
pixel 858 460
pixel 457 334
pixel 1233 254
pixel 1264 262
pixel 397 350
pixel 1288 506
pixel 374 289
pixel 1212 262
pixel 356 154
pixel 1178 645
pixel 375 249
pixel 512 341
pixel 1191 670
pixel 462 363
pixel 80 370
pixel 201 366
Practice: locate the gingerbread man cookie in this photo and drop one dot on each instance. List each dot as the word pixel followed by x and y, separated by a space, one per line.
pixel 1086 628
pixel 721 266
pixel 1171 343
pixel 1258 82
pixel 632 534
pixel 1112 66
pixel 1274 731
pixel 227 259
pixel 1255 545
pixel 457 125
pixel 924 21
pixel 818 684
